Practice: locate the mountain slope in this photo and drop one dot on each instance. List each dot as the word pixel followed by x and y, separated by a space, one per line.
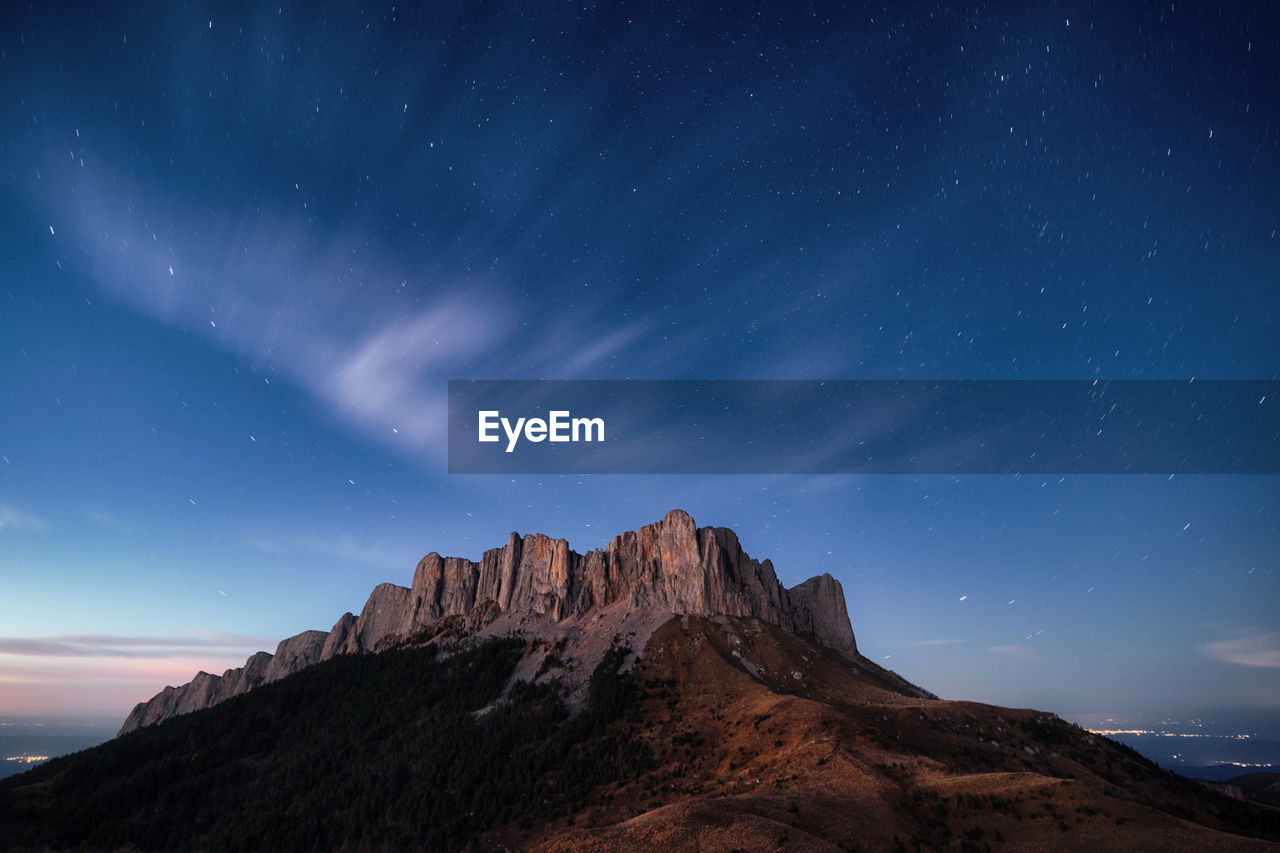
pixel 726 733
pixel 762 739
pixel 374 750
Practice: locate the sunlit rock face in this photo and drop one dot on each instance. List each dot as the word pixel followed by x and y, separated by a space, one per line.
pixel 669 566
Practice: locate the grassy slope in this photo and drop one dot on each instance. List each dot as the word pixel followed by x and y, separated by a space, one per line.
pixel 811 753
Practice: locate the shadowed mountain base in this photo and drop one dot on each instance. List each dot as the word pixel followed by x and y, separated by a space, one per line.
pixel 726 734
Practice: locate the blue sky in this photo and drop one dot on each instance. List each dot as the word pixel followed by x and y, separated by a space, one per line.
pixel 245 250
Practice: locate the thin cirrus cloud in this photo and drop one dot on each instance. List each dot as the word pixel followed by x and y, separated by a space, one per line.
pixel 264 287
pixel 391 384
pixel 16 519
pixel 1256 648
pixel 376 357
pixel 124 646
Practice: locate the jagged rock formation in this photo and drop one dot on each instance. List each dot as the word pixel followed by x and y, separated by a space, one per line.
pixel 670 566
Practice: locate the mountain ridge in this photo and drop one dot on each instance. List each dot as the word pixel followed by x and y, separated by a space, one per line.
pixel 668 567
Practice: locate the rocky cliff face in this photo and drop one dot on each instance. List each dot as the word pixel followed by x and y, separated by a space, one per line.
pixel 671 566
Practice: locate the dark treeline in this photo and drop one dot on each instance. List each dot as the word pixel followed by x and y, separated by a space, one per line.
pixel 378 751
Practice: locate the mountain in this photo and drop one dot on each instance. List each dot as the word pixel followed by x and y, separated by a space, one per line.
pixel 1256 787
pixel 604 703
pixel 642 577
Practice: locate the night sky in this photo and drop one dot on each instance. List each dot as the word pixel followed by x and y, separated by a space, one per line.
pixel 245 249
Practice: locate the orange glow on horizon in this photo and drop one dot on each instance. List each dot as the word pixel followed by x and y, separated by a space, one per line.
pixel 100 686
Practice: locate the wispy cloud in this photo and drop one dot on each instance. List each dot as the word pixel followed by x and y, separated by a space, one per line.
pixel 947 642
pixel 116 645
pixel 596 354
pixel 1013 651
pixel 1255 648
pixel 375 352
pixel 16 519
pixel 392 382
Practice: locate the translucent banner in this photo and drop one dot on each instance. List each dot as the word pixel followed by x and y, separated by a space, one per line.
pixel 864 427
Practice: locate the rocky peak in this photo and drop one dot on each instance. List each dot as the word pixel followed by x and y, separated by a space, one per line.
pixel 670 566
